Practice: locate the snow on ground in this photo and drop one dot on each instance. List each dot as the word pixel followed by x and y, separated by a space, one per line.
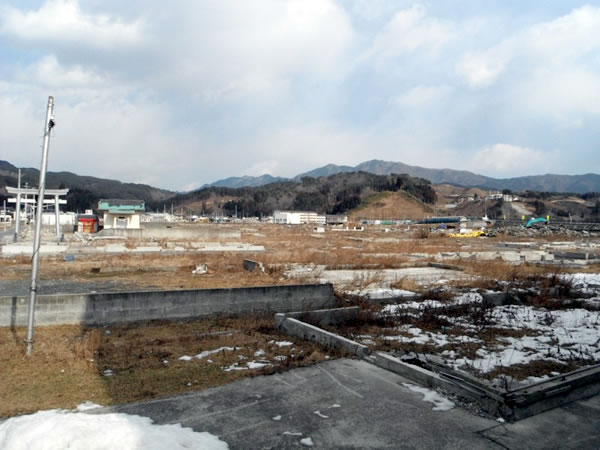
pixel 60 429
pixel 587 282
pixel 206 353
pixel 559 336
pixel 554 335
pixel 562 335
pixel 383 293
pixel 461 299
pixel 440 403
pixel 419 336
pixel 282 343
pixel 308 442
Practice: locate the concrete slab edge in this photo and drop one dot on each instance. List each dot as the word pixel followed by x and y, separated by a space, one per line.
pixel 487 401
pixel 332 316
pixel 511 405
pixel 312 333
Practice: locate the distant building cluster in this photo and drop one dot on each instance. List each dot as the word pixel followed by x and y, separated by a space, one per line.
pixel 298 218
pixel 308 217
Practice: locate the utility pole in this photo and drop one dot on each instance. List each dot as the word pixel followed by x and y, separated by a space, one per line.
pixel 48 125
pixel 18 211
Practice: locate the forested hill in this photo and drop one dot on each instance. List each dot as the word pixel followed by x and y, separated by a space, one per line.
pixel 84 191
pixel 333 194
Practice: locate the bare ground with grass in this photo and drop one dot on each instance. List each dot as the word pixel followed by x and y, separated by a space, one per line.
pixel 126 363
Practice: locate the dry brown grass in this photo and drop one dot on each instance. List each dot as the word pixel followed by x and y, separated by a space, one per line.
pixel 68 362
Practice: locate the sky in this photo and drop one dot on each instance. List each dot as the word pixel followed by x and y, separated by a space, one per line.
pixel 177 94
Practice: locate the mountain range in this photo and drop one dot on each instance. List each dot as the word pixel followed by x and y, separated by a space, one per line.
pixel 85 191
pixel 549 183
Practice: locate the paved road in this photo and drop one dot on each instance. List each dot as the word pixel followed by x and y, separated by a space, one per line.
pixel 376 411
pixel 6 235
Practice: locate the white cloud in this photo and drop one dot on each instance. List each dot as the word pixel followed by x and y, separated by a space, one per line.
pixel 226 50
pixel 421 95
pixel 63 20
pixel 508 160
pixel 482 68
pixel 408 31
pixel 48 72
pixel 566 38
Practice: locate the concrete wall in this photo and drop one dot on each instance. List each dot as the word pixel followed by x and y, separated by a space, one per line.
pixel 102 309
pixel 174 232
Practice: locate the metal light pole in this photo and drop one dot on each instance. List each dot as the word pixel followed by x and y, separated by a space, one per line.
pixel 18 211
pixel 48 125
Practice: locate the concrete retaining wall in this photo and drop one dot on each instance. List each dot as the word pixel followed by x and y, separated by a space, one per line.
pixel 175 232
pixel 309 332
pixel 321 317
pixel 108 308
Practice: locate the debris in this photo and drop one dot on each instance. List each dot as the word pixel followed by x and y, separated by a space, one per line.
pixel 250 265
pixel 200 269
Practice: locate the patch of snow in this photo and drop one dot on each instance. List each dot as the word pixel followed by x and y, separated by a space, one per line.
pixel 559 336
pixel 587 282
pixel 281 343
pixel 257 365
pixel 466 298
pixel 307 442
pixel 277 418
pixel 280 358
pixel 86 406
pixel 440 403
pixel 335 405
pixel 185 358
pixel 206 353
pixel 260 352
pixel 106 373
pixel 292 433
pixel 383 293
pixel 321 415
pixel 61 429
pixel 233 367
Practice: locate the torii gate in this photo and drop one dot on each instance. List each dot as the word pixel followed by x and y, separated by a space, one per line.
pixel 31 198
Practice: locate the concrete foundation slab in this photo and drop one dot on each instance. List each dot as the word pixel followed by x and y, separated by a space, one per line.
pixel 360 406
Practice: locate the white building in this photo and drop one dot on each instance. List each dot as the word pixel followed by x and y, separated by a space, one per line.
pixel 64 218
pixel 121 213
pixel 298 217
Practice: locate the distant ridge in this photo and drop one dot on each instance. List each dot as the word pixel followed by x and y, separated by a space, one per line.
pixel 246 181
pixel 550 182
pixel 84 191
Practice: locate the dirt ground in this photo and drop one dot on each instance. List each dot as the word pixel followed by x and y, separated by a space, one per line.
pixel 118 364
pixel 283 245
